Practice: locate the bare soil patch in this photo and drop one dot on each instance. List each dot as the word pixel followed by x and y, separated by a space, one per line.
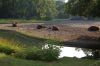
pixel 68 31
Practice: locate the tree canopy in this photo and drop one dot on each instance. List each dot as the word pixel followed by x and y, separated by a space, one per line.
pixel 83 7
pixel 42 9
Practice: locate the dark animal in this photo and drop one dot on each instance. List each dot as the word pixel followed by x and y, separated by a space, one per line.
pixel 40 26
pixel 49 28
pixel 54 28
pixel 14 24
pixel 93 28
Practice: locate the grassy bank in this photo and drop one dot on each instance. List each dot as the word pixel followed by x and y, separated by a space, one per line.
pixel 13 40
pixel 7 21
pixel 10 61
pixel 13 37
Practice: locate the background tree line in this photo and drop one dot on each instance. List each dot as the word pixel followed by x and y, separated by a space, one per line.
pixel 40 9
pixel 83 8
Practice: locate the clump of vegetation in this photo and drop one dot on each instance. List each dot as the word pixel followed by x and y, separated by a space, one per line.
pixel 93 28
pixel 92 53
pixel 6 50
pixel 49 53
pixel 9 49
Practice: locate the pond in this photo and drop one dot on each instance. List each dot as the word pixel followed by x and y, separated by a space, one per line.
pixel 71 52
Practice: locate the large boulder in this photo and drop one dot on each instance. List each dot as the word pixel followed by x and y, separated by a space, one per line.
pixel 93 28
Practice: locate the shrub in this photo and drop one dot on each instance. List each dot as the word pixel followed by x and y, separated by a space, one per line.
pixel 50 53
pixel 19 54
pixel 33 53
pixel 7 50
pixel 92 53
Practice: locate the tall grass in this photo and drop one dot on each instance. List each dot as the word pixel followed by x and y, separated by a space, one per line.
pixel 13 44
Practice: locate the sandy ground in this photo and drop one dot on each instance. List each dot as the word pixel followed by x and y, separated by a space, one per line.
pixel 69 31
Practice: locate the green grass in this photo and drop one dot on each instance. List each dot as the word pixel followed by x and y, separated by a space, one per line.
pixel 6 21
pixel 13 37
pixel 10 61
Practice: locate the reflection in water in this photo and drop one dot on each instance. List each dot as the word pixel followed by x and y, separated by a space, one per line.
pixel 71 52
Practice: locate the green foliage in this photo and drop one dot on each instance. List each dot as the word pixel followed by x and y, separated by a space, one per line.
pixel 10 61
pixel 92 53
pixel 96 64
pixel 61 10
pixel 19 54
pixel 33 53
pixel 41 9
pixel 83 8
pixel 6 50
pixel 18 45
pixel 50 53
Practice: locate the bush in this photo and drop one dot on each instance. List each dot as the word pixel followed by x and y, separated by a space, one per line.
pixel 92 53
pixel 50 53
pixel 33 53
pixel 7 50
pixel 19 54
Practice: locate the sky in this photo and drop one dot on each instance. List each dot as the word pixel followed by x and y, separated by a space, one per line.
pixel 63 0
pixel 66 0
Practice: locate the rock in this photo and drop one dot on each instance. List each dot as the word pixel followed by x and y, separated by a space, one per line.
pixel 93 28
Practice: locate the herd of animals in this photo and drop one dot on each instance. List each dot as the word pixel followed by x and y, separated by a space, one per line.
pixel 55 28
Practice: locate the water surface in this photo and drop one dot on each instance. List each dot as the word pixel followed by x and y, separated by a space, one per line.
pixel 71 52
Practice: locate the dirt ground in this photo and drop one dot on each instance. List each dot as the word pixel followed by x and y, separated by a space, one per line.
pixel 69 31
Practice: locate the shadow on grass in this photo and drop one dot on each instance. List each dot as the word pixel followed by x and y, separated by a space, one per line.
pixel 84 42
pixel 22 38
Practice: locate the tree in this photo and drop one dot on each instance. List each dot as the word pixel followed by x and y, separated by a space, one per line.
pixel 83 7
pixel 46 9
pixel 60 8
pixel 42 9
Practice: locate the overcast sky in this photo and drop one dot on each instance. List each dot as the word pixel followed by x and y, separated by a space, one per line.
pixel 66 0
pixel 63 0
